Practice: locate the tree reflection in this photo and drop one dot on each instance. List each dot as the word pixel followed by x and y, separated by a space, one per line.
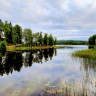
pixel 51 52
pixel 15 61
pixel 46 54
pixel 88 66
pixel 88 70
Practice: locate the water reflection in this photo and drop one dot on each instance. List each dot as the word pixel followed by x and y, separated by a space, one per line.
pixel 88 80
pixel 88 69
pixel 15 61
pixel 87 66
pixel 84 86
pixel 63 76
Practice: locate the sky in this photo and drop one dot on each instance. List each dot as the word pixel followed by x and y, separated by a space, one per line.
pixel 65 19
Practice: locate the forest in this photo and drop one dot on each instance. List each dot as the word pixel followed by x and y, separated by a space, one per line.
pixel 71 42
pixel 12 35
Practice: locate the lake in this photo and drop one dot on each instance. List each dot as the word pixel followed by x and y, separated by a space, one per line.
pixel 44 72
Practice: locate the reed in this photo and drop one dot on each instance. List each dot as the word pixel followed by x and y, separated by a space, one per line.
pixel 87 53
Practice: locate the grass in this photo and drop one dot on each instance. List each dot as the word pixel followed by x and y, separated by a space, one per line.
pixel 24 48
pixel 13 48
pixel 87 53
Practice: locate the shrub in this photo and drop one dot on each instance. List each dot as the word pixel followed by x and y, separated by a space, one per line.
pixel 3 46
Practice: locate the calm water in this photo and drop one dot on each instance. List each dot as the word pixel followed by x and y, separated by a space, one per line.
pixel 26 73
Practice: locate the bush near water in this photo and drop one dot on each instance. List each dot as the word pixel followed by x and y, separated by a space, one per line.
pixel 3 46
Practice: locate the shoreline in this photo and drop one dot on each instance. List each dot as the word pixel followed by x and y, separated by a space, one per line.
pixel 14 48
pixel 87 53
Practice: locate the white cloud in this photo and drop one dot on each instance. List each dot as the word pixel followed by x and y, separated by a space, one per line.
pixel 63 4
pixel 5 4
pixel 70 17
pixel 5 15
pixel 73 38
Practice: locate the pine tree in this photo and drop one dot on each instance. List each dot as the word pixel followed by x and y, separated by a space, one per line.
pixel 7 32
pixel 17 34
pixel 45 39
pixel 51 40
pixel 55 41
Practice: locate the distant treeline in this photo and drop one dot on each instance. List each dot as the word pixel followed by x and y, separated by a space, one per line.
pixel 15 35
pixel 71 42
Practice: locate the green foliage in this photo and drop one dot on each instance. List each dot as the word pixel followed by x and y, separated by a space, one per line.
pixel 8 32
pixel 71 42
pixel 51 40
pixel 87 53
pixel 28 37
pixel 17 34
pixel 1 25
pixel 40 39
pixel 45 39
pixel 14 34
pixel 36 35
pixel 92 40
pixel 3 46
pixel 55 41
pixel 1 29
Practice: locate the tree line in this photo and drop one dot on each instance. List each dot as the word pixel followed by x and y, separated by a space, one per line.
pixel 71 42
pixel 16 35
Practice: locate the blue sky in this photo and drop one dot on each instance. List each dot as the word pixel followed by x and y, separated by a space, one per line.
pixel 65 19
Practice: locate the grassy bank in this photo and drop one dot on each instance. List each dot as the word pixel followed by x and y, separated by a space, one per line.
pixel 13 48
pixel 23 48
pixel 87 53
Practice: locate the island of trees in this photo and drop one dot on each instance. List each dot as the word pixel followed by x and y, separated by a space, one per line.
pixel 14 35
